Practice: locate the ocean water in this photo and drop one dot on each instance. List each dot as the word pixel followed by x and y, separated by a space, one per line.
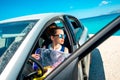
pixel 94 24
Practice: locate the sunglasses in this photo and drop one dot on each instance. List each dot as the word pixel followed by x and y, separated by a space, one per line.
pixel 60 36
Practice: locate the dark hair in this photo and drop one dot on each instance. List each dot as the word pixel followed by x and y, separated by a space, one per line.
pixel 53 30
pixel 47 31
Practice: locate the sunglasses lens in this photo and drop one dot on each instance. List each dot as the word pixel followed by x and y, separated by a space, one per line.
pixel 61 36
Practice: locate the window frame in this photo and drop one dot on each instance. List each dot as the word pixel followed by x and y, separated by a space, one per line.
pixel 77 27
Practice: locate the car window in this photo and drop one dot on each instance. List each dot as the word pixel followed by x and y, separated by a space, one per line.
pixel 77 27
pixel 11 36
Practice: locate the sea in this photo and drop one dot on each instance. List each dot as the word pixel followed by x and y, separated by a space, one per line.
pixel 94 24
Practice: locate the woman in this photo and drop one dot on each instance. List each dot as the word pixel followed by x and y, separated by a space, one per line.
pixel 50 57
pixel 57 37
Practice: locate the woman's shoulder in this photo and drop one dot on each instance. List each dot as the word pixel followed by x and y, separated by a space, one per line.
pixel 66 50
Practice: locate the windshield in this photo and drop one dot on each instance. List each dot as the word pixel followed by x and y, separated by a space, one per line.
pixel 11 35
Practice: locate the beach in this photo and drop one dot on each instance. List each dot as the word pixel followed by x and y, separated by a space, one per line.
pixel 105 62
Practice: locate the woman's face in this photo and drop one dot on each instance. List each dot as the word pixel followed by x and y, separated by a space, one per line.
pixel 58 38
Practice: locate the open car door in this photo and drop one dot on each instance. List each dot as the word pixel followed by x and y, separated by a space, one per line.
pixel 68 69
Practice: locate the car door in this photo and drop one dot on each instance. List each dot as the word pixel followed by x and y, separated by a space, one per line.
pixel 88 46
pixel 80 33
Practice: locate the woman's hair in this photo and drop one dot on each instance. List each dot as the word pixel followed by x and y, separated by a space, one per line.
pixel 47 31
pixel 53 30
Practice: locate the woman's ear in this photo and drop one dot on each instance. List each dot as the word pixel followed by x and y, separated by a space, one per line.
pixel 52 38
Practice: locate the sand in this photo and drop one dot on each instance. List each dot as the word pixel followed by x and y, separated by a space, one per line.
pixel 105 62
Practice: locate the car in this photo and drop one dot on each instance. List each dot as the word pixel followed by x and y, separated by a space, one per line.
pixel 21 36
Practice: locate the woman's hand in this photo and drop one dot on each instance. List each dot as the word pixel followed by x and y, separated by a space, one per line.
pixel 36 56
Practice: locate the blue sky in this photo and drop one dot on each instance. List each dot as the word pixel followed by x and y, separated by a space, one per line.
pixel 78 8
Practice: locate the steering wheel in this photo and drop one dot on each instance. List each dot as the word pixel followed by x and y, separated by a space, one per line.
pixel 30 75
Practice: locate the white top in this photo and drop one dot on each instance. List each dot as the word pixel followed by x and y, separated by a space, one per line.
pixel 50 47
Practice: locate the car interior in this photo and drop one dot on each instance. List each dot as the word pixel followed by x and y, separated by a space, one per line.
pixel 45 40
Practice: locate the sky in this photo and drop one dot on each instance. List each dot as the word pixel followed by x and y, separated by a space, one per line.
pixel 78 8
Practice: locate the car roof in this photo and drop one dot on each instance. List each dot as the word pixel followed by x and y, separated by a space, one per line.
pixel 31 17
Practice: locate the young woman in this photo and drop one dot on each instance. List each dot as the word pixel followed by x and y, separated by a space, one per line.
pixel 57 37
pixel 55 52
